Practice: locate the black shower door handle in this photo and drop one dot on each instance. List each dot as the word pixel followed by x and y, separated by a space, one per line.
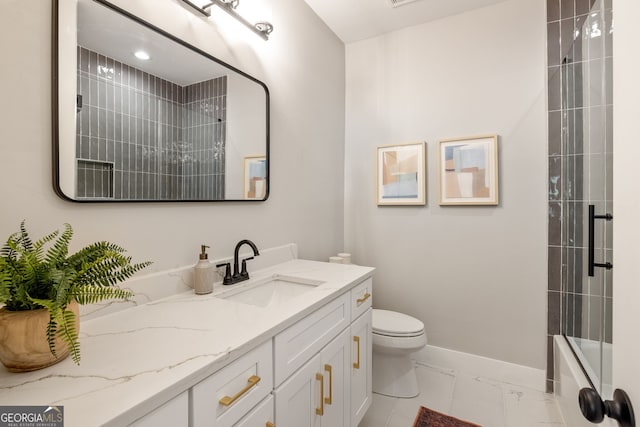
pixel 592 218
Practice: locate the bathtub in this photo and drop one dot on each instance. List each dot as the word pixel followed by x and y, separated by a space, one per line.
pixel 568 381
pixel 589 356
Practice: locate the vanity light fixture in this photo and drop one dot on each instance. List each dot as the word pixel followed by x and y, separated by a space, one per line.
pixel 262 29
pixel 232 3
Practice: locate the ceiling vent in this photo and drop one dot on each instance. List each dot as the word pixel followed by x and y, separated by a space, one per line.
pixel 398 3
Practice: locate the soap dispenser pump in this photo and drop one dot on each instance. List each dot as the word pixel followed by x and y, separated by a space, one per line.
pixel 203 274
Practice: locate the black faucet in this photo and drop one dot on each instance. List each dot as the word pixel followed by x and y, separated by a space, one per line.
pixel 242 274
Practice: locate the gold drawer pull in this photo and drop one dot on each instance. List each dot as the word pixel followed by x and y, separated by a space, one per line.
pixel 270 424
pixel 329 399
pixel 251 382
pixel 357 340
pixel 320 410
pixel 364 298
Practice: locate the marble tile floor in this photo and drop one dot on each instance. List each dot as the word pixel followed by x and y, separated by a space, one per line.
pixel 484 401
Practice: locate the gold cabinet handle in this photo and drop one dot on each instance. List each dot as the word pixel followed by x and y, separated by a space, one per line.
pixel 364 298
pixel 357 340
pixel 329 399
pixel 270 424
pixel 251 382
pixel 320 410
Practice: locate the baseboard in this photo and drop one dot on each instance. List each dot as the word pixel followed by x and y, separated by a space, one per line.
pixel 481 366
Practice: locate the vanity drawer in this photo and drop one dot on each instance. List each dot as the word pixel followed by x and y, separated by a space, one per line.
pixel 361 298
pixel 223 398
pixel 261 415
pixel 297 344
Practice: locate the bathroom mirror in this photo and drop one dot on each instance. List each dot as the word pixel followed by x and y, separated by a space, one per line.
pixel 140 115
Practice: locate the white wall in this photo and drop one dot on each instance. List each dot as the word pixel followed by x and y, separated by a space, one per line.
pixel 476 276
pixel 303 66
pixel 246 129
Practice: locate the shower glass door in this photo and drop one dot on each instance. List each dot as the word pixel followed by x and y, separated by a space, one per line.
pixel 587 180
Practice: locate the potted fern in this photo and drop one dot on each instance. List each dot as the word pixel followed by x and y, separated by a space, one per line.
pixel 41 286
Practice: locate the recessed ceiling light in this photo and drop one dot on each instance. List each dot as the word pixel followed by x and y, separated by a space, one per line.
pixel 142 55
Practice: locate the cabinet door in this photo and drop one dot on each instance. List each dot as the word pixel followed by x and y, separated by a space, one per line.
pixel 335 360
pixel 361 373
pixel 298 398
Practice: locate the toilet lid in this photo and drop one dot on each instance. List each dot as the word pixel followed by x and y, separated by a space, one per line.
pixel 395 324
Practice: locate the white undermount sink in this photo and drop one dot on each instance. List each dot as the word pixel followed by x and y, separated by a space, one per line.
pixel 271 291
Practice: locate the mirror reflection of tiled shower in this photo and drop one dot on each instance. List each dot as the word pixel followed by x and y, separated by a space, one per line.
pixel 580 174
pixel 141 137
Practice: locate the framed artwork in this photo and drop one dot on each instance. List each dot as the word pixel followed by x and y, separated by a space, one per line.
pixel 255 177
pixel 468 171
pixel 401 174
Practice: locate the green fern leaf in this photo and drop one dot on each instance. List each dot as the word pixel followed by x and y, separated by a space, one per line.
pixel 52 328
pixel 95 294
pixel 67 331
pixel 42 274
pixel 60 249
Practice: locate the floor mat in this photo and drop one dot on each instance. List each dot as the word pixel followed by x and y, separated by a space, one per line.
pixel 430 418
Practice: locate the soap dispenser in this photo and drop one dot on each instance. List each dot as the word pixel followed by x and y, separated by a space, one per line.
pixel 203 274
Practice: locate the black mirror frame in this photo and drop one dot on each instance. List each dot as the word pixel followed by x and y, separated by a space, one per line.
pixel 55 107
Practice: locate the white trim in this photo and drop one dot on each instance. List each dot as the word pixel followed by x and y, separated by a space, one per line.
pixel 502 371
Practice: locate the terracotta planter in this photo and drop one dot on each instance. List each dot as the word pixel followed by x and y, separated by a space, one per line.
pixel 23 339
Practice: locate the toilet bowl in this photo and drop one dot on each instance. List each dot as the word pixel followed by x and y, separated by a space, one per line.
pixel 395 337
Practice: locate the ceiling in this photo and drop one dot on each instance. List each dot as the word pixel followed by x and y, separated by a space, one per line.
pixel 103 30
pixel 354 20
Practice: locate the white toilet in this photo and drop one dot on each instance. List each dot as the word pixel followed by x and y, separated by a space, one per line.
pixel 395 337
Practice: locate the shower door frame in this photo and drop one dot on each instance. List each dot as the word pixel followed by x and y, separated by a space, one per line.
pixel 586 178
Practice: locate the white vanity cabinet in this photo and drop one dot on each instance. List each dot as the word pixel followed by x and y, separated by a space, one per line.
pixel 361 346
pixel 326 360
pixel 282 357
pixel 315 373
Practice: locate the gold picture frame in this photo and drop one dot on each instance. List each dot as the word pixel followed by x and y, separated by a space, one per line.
pixel 468 170
pixel 400 177
pixel 255 178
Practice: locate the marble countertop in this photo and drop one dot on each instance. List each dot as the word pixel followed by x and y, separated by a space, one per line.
pixel 136 359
